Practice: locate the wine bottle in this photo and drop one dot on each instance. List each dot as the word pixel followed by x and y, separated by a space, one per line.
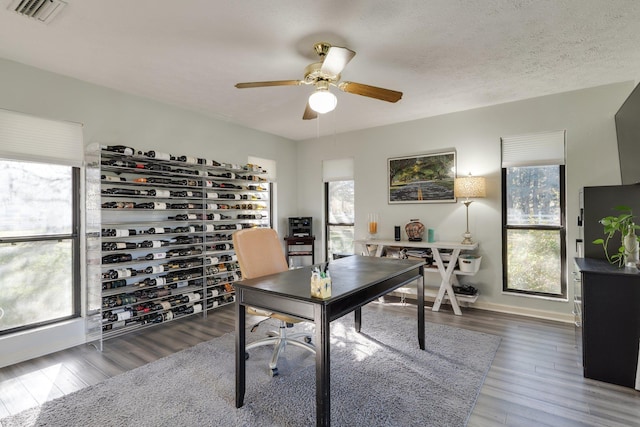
pixel 158 230
pixel 156 255
pixel 111 259
pixel 109 246
pixel 115 284
pixel 153 243
pixel 112 178
pixel 152 269
pixel 127 164
pixel 124 272
pixel 156 155
pixel 120 232
pixel 184 217
pixel 227 185
pixel 157 180
pixel 187 159
pixel 157 167
pixel 149 281
pixel 122 149
pixel 114 246
pixel 151 205
pixel 159 193
pixel 186 171
pixel 178 206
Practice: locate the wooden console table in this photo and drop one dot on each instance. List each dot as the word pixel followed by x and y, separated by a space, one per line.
pixel 447 273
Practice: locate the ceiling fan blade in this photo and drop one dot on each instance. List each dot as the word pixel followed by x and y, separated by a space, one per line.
pixel 337 58
pixel 309 114
pixel 370 91
pixel 271 83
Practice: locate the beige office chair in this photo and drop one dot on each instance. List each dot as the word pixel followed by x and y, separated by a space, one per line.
pixel 259 254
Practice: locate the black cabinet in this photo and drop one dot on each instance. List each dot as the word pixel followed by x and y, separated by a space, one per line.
pixel 610 321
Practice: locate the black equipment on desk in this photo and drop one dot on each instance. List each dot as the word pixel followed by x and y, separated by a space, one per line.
pixel 300 226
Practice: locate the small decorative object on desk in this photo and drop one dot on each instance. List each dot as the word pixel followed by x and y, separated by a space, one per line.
pixel 372 223
pixel 414 230
pixel 630 243
pixel 320 283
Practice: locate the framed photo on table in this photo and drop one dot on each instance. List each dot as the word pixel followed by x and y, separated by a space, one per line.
pixel 423 178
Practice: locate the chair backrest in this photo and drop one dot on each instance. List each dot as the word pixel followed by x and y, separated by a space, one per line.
pixel 259 252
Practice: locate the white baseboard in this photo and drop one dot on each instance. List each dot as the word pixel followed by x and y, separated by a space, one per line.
pixel 499 308
pixel 523 311
pixel 21 346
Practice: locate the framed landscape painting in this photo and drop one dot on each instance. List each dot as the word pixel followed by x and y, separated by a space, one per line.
pixel 425 178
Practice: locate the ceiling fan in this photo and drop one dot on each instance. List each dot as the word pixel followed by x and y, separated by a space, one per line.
pixel 324 74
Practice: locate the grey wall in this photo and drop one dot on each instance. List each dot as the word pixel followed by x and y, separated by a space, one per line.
pixel 592 159
pixel 113 117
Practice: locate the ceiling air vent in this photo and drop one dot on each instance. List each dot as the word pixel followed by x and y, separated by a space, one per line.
pixel 41 10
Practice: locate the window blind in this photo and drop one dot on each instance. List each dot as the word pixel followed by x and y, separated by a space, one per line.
pixel 537 149
pixel 30 138
pixel 337 170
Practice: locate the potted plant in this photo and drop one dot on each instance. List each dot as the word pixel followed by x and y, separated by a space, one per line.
pixel 623 224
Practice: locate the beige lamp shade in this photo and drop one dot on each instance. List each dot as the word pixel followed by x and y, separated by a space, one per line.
pixel 470 187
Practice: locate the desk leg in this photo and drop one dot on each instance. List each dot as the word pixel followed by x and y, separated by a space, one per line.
pixel 445 285
pixel 240 353
pixel 358 318
pixel 323 378
pixel 420 296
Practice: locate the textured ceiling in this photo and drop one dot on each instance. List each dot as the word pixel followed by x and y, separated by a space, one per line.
pixel 445 55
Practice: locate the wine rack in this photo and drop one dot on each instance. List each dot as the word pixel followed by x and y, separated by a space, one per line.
pixel 164 247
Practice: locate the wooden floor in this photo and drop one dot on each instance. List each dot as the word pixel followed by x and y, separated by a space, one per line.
pixel 535 379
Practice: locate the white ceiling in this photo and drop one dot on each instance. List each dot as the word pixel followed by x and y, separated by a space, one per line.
pixel 444 55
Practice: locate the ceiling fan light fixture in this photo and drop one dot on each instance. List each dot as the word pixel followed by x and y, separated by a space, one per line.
pixel 322 101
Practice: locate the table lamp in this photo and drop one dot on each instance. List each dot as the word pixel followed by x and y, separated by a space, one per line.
pixel 469 187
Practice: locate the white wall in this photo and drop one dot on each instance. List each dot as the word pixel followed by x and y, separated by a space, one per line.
pixel 592 159
pixel 112 117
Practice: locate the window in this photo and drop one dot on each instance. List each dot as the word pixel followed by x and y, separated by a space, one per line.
pixel 533 210
pixel 39 244
pixel 40 162
pixel 340 218
pixel 339 215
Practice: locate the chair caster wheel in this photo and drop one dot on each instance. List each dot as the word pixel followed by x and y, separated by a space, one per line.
pixel 274 372
pixel 307 339
pixel 246 356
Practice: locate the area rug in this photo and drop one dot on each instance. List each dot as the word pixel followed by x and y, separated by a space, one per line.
pixel 378 378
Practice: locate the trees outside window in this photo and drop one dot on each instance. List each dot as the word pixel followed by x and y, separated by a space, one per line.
pixel 534 230
pixel 39 244
pixel 340 217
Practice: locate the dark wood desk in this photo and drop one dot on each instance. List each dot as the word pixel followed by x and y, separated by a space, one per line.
pixel 356 281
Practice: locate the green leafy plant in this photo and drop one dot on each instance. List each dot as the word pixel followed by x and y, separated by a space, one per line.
pixel 613 224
